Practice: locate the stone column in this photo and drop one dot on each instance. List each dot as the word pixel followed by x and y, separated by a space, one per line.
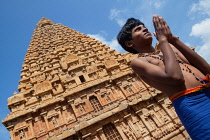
pixel 101 134
pixel 118 126
pixel 44 115
pixel 30 121
pixel 87 136
pixel 61 119
pixel 139 113
pixel 64 114
pixel 119 84
pixel 71 103
pixel 131 125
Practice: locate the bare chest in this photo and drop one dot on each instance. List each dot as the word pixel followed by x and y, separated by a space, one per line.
pixel 156 60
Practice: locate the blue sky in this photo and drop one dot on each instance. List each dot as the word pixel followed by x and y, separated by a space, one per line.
pixel 190 20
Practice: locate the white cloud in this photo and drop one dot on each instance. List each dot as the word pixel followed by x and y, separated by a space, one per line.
pixel 202 30
pixel 158 4
pixel 202 7
pixel 152 5
pixel 113 44
pixel 117 16
pixel 187 43
pixel 147 7
pixel 114 13
pixel 204 51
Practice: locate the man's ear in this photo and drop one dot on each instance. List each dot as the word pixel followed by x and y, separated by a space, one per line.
pixel 129 43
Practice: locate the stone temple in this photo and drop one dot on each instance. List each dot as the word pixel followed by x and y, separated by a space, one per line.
pixel 73 87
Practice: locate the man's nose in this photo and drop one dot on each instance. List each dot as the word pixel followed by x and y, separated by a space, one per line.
pixel 145 29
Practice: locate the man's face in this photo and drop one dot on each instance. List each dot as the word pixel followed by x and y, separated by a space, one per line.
pixel 141 35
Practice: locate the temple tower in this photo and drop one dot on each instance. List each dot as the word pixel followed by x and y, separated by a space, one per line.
pixel 73 87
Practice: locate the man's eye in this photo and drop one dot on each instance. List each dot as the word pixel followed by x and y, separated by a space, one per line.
pixel 139 28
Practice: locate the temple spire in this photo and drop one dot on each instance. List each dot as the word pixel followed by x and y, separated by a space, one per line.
pixel 43 22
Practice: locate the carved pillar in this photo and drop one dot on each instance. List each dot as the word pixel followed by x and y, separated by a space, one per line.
pixel 167 106
pixel 96 137
pixel 87 136
pixel 118 126
pixel 119 84
pixel 66 117
pixel 117 95
pixel 38 119
pixel 30 122
pixel 132 84
pixel 147 119
pixel 101 134
pixel 131 125
pixel 128 131
pixel 146 132
pixel 156 117
pixel 61 119
pixel 71 103
pixel 110 92
pixel 44 115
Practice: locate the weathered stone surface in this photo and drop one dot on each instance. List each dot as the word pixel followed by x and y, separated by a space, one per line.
pixel 74 87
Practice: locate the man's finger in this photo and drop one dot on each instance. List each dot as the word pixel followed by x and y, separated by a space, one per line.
pixel 161 21
pixel 155 22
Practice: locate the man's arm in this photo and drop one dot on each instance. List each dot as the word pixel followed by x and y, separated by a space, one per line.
pixel 155 73
pixel 172 68
pixel 194 59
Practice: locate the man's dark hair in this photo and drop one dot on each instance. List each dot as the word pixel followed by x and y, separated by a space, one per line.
pixel 125 34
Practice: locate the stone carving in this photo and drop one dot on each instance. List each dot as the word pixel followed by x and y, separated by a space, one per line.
pixel 22 135
pixel 106 96
pixel 91 69
pixel 148 117
pixel 54 121
pixel 57 87
pixel 71 58
pixel 38 77
pixel 170 108
pixel 111 63
pixel 129 89
pixel 34 67
pixel 129 134
pixel 43 87
pixel 138 126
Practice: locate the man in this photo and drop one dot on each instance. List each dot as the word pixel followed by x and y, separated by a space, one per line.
pixel 177 71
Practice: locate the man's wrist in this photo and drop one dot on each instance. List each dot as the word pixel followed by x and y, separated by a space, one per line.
pixel 163 39
pixel 173 39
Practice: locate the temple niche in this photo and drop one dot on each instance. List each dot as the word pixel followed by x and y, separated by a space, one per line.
pixel 73 87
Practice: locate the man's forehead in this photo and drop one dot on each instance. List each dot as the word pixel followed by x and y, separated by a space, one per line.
pixel 140 25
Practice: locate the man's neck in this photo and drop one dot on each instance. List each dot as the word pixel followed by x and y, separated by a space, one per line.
pixel 146 49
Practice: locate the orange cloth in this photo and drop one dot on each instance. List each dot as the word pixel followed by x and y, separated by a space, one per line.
pixel 188 91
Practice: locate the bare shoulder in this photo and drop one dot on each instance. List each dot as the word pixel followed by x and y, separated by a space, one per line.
pixel 142 66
